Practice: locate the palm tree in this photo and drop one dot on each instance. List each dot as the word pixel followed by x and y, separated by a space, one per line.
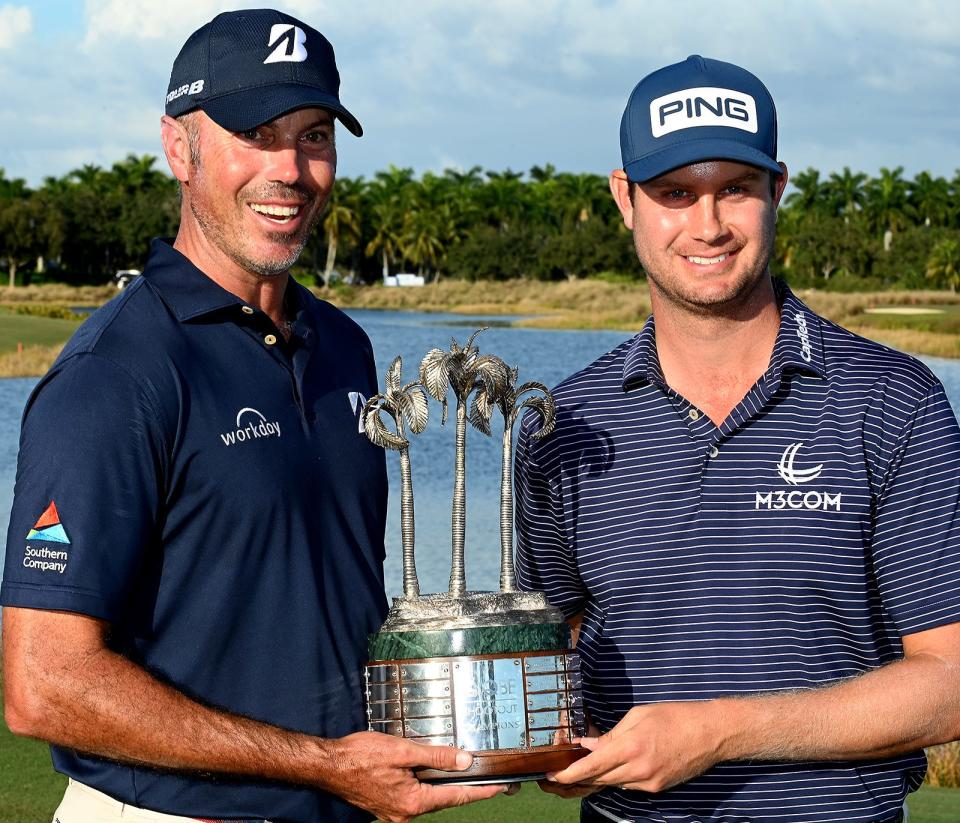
pixel 465 371
pixel 845 192
pixel 809 193
pixel 509 401
pixel 944 263
pixel 887 203
pixel 929 199
pixel 342 219
pixel 403 403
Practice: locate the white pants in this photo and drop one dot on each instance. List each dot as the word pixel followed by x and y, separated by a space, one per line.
pixel 81 804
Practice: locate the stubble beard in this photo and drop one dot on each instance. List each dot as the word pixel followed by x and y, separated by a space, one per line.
pixel 692 300
pixel 229 239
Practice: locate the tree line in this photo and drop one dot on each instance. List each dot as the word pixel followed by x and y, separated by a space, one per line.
pixel 846 231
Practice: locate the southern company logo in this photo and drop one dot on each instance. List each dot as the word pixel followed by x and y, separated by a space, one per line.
pixel 49 527
pixel 290 41
pixel 251 425
pixel 812 500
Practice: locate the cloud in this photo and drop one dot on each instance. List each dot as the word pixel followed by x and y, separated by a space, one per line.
pixel 15 21
pixel 500 83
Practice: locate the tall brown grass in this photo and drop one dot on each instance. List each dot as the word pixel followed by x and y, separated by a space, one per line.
pixel 58 293
pixel 31 362
pixel 943 765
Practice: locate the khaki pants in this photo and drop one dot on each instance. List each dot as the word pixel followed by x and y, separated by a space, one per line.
pixel 81 804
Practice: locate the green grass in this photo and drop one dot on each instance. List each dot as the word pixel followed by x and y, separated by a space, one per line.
pixel 33 331
pixel 30 791
pixel 945 321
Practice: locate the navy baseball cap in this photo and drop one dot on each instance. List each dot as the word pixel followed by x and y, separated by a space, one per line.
pixel 697 110
pixel 244 68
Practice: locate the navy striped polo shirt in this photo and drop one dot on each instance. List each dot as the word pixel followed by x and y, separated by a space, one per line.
pixel 785 549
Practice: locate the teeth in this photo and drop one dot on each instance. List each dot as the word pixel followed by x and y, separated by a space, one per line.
pixel 708 261
pixel 275 211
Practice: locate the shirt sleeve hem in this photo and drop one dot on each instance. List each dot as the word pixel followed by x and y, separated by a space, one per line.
pixel 25 596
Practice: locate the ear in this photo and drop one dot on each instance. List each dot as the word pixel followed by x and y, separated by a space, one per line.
pixel 781 185
pixel 176 147
pixel 620 189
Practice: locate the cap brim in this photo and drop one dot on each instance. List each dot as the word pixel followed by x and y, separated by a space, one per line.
pixel 697 151
pixel 249 108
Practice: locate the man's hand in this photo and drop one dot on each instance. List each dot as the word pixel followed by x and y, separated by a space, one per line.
pixel 375 772
pixel 651 749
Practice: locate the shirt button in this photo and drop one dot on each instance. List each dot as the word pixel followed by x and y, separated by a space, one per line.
pixel 694 414
pixel 714 451
pixel 270 339
pixel 246 310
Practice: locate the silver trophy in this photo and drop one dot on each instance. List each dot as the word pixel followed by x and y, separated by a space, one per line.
pixel 489 672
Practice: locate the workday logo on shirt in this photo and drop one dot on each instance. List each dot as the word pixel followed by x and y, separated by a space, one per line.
pixel 794 474
pixel 251 425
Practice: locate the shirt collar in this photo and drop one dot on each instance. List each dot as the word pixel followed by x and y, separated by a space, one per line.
pixel 798 346
pixel 799 343
pixel 182 286
pixel 190 294
pixel 641 365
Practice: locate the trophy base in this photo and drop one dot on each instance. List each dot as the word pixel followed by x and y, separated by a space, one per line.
pixel 506 767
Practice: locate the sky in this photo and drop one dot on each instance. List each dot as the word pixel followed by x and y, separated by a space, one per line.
pixel 501 83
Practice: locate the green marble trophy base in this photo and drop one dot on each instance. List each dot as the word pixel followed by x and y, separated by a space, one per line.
pixel 492 674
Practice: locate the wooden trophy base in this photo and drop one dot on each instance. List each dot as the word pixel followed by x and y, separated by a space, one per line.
pixel 514 766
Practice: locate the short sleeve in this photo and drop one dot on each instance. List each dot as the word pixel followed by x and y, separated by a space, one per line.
pixel 545 560
pixel 916 540
pixel 88 488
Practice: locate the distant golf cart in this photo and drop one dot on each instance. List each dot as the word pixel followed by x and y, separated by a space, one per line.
pixel 125 277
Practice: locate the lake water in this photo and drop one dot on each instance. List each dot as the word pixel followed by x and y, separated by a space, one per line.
pixel 546 356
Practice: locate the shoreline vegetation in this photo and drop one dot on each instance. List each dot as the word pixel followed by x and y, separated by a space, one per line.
pixel 36 320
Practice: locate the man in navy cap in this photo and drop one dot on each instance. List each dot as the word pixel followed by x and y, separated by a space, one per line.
pixel 748 513
pixel 196 543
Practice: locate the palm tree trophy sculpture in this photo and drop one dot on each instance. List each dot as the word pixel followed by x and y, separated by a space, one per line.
pixel 402 402
pixel 508 400
pixel 464 371
pixel 489 672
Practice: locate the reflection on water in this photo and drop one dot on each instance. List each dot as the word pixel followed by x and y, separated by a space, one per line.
pixel 546 356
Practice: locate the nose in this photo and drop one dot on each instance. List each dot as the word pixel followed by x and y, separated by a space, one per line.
pixel 706 220
pixel 285 165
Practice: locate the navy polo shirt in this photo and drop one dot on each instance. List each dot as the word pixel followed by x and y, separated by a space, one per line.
pixel 789 547
pixel 204 486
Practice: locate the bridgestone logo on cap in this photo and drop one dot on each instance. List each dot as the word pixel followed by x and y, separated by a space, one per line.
pixel 705 106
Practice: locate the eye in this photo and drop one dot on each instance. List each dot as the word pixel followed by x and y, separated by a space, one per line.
pixel 318 138
pixel 676 194
pixel 251 134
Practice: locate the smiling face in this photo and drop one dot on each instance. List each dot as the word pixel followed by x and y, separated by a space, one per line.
pixel 251 199
pixel 704 233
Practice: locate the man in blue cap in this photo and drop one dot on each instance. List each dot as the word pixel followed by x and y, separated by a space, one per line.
pixel 748 513
pixel 195 554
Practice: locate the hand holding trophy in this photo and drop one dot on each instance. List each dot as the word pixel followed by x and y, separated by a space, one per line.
pixel 488 672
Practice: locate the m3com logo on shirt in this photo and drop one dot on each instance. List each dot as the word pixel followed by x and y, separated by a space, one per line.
pixel 793 475
pixel 251 425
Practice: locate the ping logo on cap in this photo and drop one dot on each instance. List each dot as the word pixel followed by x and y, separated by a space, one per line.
pixel 290 48
pixel 704 106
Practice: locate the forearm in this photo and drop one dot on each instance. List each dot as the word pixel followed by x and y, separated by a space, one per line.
pixel 898 708
pixel 97 701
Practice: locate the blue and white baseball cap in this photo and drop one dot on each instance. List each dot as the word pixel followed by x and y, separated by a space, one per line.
pixel 697 110
pixel 244 68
